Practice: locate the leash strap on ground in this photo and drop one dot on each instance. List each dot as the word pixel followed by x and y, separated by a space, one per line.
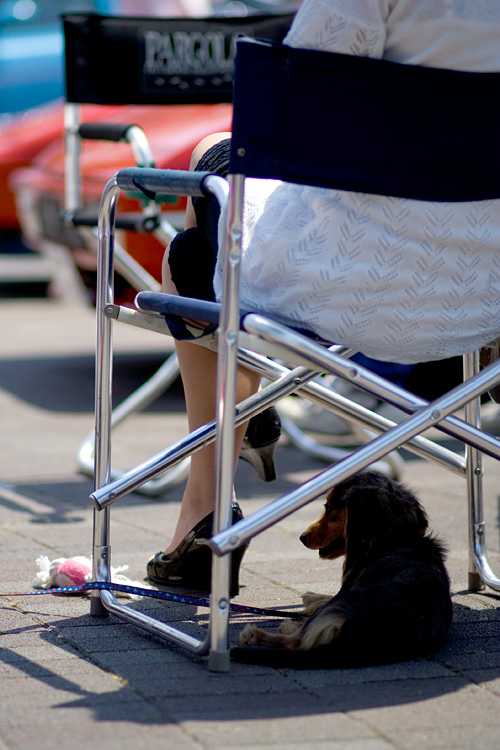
pixel 155 594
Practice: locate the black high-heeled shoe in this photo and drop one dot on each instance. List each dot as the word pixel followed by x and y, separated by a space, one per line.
pixel 260 441
pixel 190 564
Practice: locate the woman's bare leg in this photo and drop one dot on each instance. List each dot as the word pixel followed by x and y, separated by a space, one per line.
pixel 199 375
pixel 198 368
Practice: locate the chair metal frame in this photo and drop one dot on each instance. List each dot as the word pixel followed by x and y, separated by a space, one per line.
pixel 92 40
pixel 137 276
pixel 252 339
pixel 85 223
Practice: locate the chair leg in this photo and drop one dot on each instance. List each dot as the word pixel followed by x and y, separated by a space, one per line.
pixel 101 563
pixel 227 362
pixel 474 476
pixel 218 656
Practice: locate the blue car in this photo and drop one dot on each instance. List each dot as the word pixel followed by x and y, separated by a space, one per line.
pixel 31 46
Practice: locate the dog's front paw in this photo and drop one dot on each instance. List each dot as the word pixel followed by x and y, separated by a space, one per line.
pixel 312 602
pixel 250 636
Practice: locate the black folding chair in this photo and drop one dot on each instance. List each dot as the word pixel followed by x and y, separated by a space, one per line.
pixel 121 60
pixel 453 156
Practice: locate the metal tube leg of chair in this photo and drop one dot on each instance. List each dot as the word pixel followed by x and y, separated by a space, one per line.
pixel 101 554
pixel 218 658
pixel 474 473
pixel 103 392
pixel 480 572
pixel 225 420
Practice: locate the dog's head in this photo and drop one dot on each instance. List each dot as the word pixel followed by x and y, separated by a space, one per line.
pixel 366 509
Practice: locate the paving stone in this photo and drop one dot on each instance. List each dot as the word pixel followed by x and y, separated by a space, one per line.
pixel 426 705
pixel 448 738
pixel 376 743
pixel 283 729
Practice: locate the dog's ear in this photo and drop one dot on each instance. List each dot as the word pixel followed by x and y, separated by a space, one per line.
pixel 366 518
pixel 404 508
pixel 378 509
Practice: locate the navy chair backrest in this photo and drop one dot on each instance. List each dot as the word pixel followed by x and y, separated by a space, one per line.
pixel 364 124
pixel 122 60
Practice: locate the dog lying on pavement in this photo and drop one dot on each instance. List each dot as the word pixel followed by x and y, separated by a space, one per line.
pixel 394 603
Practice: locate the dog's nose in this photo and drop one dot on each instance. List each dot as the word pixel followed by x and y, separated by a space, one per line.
pixel 303 538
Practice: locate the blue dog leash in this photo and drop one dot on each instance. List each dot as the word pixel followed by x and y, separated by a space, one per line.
pixel 155 594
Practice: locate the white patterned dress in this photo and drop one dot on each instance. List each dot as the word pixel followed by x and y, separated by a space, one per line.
pixel 400 280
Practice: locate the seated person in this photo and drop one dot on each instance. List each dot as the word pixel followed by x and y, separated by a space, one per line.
pixel 380 274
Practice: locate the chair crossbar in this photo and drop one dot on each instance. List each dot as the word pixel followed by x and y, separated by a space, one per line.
pixel 286 382
pixel 428 416
pixel 165 304
pixel 327 361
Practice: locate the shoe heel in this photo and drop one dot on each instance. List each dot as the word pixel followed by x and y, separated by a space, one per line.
pixel 259 443
pixel 262 459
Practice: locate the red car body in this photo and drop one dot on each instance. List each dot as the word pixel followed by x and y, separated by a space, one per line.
pixel 32 172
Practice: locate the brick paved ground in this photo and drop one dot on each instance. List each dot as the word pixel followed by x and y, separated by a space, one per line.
pixel 70 680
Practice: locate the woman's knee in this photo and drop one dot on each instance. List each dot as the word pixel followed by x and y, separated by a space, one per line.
pixel 204 145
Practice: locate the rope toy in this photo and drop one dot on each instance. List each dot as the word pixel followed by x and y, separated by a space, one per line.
pixel 73 575
pixel 75 571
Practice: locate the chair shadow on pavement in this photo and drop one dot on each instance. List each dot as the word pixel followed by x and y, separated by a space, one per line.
pixel 66 384
pixel 153 682
pixel 63 502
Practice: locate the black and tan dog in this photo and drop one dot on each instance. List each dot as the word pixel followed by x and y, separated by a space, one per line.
pixel 394 602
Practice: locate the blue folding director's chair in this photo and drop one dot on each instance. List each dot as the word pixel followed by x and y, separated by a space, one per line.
pixel 282 121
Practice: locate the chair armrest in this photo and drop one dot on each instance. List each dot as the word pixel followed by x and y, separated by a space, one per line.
pixel 165 181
